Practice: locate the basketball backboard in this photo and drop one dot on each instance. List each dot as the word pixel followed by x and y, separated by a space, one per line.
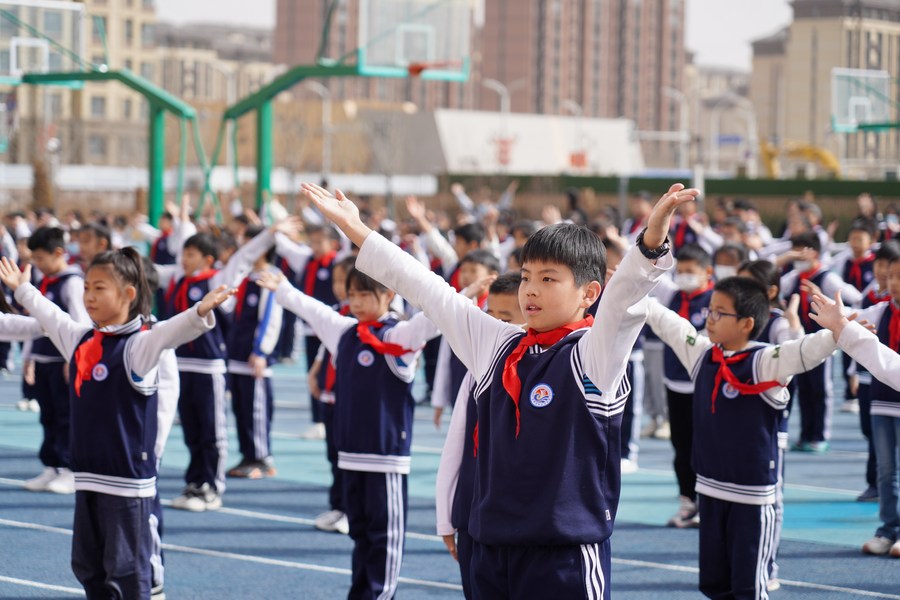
pixel 860 97
pixel 38 36
pixel 425 38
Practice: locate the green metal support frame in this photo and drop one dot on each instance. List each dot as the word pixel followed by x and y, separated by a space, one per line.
pixel 160 102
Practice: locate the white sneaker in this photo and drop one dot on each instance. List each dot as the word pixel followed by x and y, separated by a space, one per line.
pixel 39 483
pixel 328 521
pixel 33 406
pixel 63 483
pixel 878 546
pixel 773 585
pixel 629 466
pixel 22 404
pixel 212 500
pixel 180 502
pixel 687 516
pixel 663 432
pixel 895 549
pixel 315 432
pixel 850 406
pixel 342 526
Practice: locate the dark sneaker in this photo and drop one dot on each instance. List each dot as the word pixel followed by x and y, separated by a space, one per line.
pixel 869 495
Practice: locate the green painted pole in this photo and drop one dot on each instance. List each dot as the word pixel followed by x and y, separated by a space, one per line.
pixel 263 151
pixel 157 163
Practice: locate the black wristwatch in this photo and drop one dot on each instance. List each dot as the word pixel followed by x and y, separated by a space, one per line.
pixel 651 253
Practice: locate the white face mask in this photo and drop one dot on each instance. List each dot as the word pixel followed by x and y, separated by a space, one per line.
pixel 687 282
pixel 802 265
pixel 723 271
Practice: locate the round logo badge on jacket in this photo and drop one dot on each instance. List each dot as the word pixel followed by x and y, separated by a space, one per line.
pixel 541 395
pixel 366 358
pixel 99 372
pixel 729 391
pixel 252 299
pixel 195 294
pixel 323 274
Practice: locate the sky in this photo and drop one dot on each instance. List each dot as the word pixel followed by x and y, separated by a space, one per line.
pixel 718 31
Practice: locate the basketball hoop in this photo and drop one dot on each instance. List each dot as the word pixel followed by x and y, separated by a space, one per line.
pixel 417 68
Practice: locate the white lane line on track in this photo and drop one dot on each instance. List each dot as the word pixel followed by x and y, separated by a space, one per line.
pixel 41 586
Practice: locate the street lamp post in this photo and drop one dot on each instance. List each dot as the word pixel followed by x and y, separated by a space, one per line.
pixel 681 99
pixel 325 94
pixel 503 91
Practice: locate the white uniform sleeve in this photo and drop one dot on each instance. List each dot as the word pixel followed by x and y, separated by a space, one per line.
pixel 72 294
pixel 17 328
pixel 326 323
pixel 440 389
pixel 296 255
pixel 144 353
pixel 10 250
pixel 864 347
pixel 414 333
pixel 61 328
pixel 606 347
pixel 849 294
pixel 269 329
pixel 441 249
pixel 241 262
pixel 780 363
pixel 168 391
pixel 473 335
pixel 167 274
pixel 451 459
pixel 781 332
pixel 677 333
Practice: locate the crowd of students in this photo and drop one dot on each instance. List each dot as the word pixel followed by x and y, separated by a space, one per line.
pixel 545 338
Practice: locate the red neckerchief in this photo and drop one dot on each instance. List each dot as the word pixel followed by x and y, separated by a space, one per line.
pixel 895 328
pixel 87 356
pixel 725 373
pixel 312 270
pixel 804 296
pixel 681 229
pixel 855 276
pixel 330 373
pixel 154 251
pixel 684 311
pixel 239 300
pixel 637 225
pixel 482 301
pixel 875 298
pixel 511 382
pixel 46 282
pixel 181 297
pixel 454 280
pixel 364 331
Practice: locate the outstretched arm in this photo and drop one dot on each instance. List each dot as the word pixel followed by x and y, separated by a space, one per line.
pixel 472 334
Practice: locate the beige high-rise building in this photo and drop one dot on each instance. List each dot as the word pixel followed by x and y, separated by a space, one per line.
pixel 792 79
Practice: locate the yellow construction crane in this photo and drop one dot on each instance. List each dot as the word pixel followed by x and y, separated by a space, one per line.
pixel 769 153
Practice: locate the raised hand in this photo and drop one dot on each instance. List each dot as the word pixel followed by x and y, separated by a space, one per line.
pixel 416 209
pixel 270 280
pixel 339 210
pixel 12 276
pixel 658 223
pixel 214 298
pixel 829 314
pixel 479 288
pixel 289 226
pixel 792 313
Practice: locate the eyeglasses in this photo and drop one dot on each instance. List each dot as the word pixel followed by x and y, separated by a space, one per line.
pixel 716 315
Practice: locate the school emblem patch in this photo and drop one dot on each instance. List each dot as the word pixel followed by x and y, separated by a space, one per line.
pixel 48 295
pixel 729 391
pixel 252 299
pixel 698 320
pixel 99 372
pixel 322 274
pixel 366 358
pixel 541 395
pixel 195 294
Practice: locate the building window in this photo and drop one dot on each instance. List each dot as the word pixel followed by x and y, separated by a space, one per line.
pixel 99 29
pixel 147 38
pixel 53 23
pixel 148 4
pixel 129 65
pixel 129 32
pixel 147 71
pixel 98 107
pixel 97 146
pixel 56 103
pixel 126 109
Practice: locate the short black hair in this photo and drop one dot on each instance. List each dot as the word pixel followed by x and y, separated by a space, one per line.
pixel 574 246
pixel 516 254
pixel 225 241
pixel 750 298
pixel 865 225
pixel 738 252
pixel 327 230
pixel 694 253
pixel 807 239
pixel 613 247
pixel 526 227
pixel 47 239
pixel 889 251
pixel 205 243
pixel 348 263
pixel 744 204
pixel 767 274
pixel 470 232
pixel 735 222
pixel 99 230
pixel 506 284
pixel 360 282
pixel 482 257
pixel 150 273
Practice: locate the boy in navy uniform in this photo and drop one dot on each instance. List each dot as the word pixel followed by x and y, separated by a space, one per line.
pixel 814 389
pixel 252 336
pixel 64 286
pixel 694 289
pixel 456 473
pixel 549 401
pixel 375 359
pixel 738 407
